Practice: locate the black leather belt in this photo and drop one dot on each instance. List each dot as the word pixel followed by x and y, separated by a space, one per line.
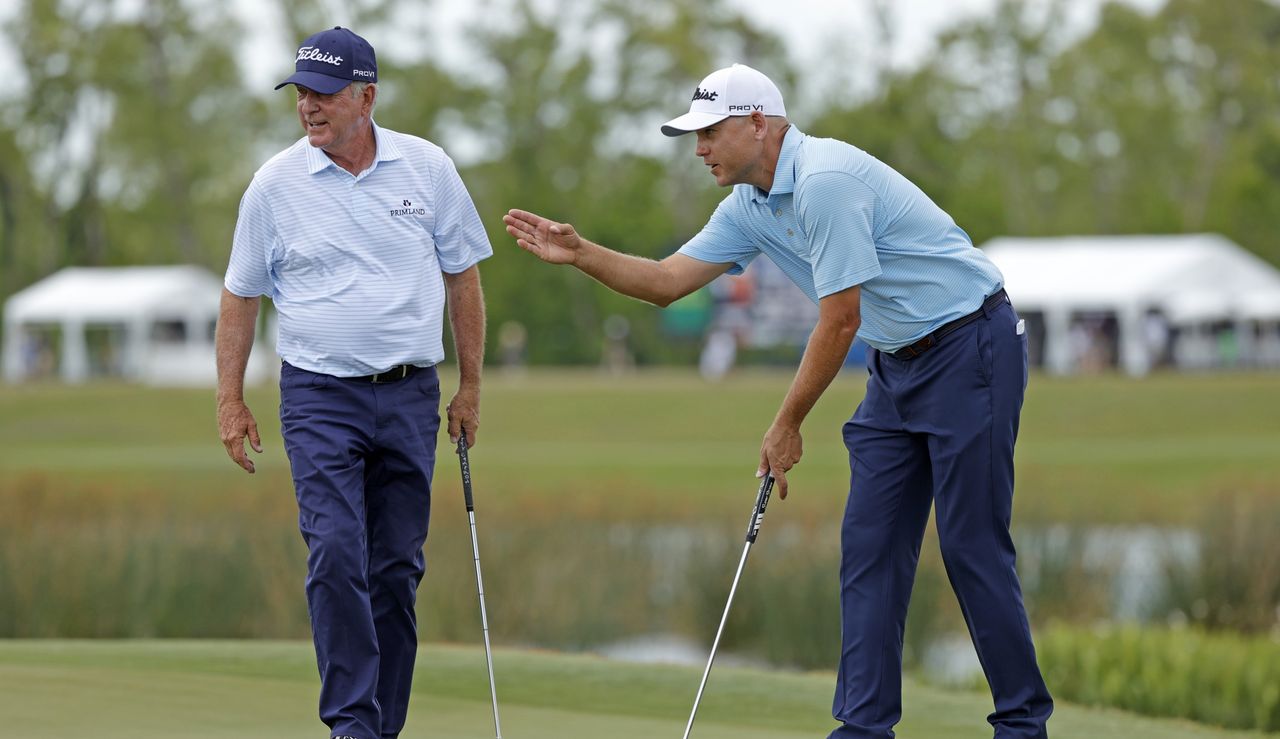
pixel 911 351
pixel 395 374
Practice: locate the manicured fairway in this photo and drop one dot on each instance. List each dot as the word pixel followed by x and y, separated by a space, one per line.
pixel 1107 450
pixel 267 690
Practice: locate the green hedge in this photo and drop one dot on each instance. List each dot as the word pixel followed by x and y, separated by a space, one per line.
pixel 1223 679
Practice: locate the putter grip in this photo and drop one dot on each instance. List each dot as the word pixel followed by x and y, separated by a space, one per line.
pixel 757 514
pixel 465 464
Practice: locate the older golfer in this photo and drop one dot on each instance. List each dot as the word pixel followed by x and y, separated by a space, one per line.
pixel 948 367
pixel 358 234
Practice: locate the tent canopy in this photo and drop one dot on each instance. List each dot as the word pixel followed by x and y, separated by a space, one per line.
pixel 1190 277
pixel 115 294
pixel 159 323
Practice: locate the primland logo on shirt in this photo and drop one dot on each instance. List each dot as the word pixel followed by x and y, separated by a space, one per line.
pixel 408 210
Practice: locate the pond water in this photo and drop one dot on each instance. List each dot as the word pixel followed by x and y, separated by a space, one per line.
pixel 1129 564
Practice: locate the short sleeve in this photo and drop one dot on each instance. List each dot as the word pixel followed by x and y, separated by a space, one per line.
pixel 837 212
pixel 722 240
pixel 249 270
pixel 460 237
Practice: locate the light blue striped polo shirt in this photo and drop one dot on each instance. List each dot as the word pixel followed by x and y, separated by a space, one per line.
pixel 838 217
pixel 353 263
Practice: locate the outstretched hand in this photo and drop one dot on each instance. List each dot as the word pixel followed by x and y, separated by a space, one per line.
pixel 555 243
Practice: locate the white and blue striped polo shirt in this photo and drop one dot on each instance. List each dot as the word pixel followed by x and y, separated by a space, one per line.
pixel 838 217
pixel 353 263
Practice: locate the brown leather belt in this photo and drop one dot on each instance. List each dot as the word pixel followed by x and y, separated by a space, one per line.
pixel 911 351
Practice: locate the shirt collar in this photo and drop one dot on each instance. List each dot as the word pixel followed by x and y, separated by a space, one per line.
pixel 784 174
pixel 385 150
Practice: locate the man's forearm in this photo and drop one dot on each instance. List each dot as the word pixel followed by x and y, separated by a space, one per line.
pixel 823 357
pixel 636 277
pixel 237 318
pixel 660 283
pixel 839 316
pixel 467 320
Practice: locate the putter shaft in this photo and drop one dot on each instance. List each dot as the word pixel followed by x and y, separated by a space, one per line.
pixel 753 530
pixel 465 464
pixel 746 549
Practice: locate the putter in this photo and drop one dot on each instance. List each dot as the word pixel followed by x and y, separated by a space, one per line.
pixel 753 529
pixel 475 550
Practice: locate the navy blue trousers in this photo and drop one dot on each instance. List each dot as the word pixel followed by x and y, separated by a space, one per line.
pixel 937 429
pixel 362 457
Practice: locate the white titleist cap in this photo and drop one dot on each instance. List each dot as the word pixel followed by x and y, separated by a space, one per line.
pixel 736 90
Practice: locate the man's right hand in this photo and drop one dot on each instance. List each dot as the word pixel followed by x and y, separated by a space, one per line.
pixel 235 422
pixel 555 243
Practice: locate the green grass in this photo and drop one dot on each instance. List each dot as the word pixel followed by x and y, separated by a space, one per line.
pixel 665 443
pixel 267 690
pixel 120 515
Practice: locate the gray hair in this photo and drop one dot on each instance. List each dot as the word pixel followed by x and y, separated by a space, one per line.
pixel 357 89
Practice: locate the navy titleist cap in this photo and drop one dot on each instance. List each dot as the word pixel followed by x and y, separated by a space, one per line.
pixel 331 60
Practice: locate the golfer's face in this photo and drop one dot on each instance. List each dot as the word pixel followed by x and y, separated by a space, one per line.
pixel 729 149
pixel 330 121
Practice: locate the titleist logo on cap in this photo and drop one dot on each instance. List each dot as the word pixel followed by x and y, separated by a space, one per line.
pixel 315 54
pixel 701 94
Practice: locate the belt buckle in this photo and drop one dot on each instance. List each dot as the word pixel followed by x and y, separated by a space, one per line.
pixel 911 351
pixel 922 346
pixel 382 378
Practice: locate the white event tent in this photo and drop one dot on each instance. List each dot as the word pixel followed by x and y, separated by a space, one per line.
pixel 1198 285
pixel 147 324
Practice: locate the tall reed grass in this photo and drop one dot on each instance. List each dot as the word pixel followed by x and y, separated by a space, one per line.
pixel 98 561
pixel 104 562
pixel 1235 584
pixel 101 560
pixel 1225 679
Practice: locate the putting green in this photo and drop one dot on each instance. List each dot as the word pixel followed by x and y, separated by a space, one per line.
pixel 267 690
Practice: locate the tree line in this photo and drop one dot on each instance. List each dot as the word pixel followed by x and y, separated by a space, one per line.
pixel 134 132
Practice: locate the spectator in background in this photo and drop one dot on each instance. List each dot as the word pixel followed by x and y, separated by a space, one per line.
pixel 730 329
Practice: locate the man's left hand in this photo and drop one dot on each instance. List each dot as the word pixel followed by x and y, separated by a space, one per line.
pixel 779 452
